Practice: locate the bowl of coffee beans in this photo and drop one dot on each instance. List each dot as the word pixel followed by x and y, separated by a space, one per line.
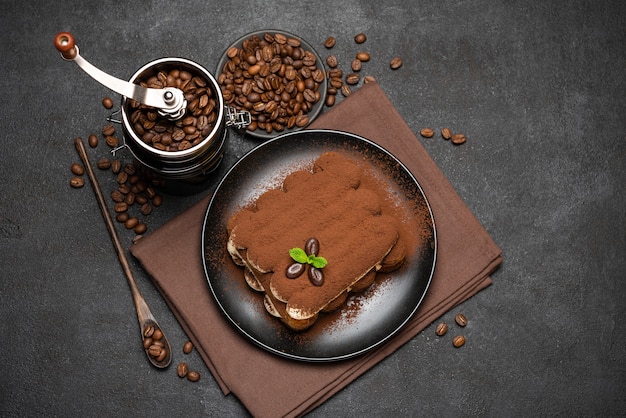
pixel 277 77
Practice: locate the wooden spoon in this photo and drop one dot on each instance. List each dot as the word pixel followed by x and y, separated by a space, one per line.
pixel 155 343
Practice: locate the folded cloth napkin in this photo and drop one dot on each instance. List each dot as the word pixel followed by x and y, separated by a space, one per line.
pixel 272 386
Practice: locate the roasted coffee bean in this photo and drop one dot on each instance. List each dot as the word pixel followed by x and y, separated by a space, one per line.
pixel 458 341
pixel 154 350
pixel 182 369
pixel 92 140
pixel 157 335
pixel 193 376
pixel 108 130
pixel 120 207
pixel 360 38
pixel 148 331
pixel 442 328
pixel 157 200
pixel 458 139
pixel 130 199
pixel 112 141
pixel 122 217
pixel 162 356
pixel 107 103
pixel 356 65
pixel 427 132
pixel 116 166
pixel 141 228
pixel 104 163
pixel 395 63
pixel 330 100
pixel 131 223
pixel 295 270
pixel 77 169
pixel 122 176
pixel 369 79
pixel 353 79
pixel 446 133
pixel 77 182
pixel 146 208
pixel 147 342
pixel 332 61
pixel 117 196
pixel 330 42
pixel 312 246
pixel 187 347
pixel 461 320
pixel 345 90
pixel 363 56
pixel 315 276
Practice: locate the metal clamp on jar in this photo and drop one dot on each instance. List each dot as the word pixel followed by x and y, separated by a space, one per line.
pixel 173 116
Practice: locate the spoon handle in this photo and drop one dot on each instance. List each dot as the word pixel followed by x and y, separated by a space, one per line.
pixel 143 311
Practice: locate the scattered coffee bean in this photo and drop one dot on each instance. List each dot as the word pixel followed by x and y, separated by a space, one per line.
pixel 120 207
pixel 116 166
pixel 187 347
pixel 108 130
pixel 360 38
pixel 182 369
pixel 369 79
pixel 107 103
pixel 458 139
pixel 446 133
pixel 461 320
pixel 157 200
pixel 458 341
pixel 92 140
pixel 353 79
pixel 193 376
pixel 122 217
pixel 141 228
pixel 112 141
pixel 104 163
pixel 332 61
pixel 395 63
pixel 356 65
pixel 345 90
pixel 330 100
pixel 77 182
pixel 427 132
pixel 77 169
pixel 131 223
pixel 441 329
pixel 363 56
pixel 330 42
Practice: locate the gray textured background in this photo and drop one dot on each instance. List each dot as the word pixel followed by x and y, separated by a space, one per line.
pixel 538 88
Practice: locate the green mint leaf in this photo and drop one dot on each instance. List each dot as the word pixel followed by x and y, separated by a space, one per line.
pixel 318 262
pixel 298 255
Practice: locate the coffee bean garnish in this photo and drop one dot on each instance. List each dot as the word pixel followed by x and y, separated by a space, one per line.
pixel 460 319
pixel 307 258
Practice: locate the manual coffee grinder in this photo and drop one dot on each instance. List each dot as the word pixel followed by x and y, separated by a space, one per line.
pixel 168 107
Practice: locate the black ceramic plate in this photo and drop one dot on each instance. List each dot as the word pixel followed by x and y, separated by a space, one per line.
pixel 317 108
pixel 382 309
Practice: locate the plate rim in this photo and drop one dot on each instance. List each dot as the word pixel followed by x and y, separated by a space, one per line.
pixel 319 359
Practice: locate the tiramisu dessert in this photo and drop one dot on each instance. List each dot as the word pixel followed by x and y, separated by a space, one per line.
pixel 326 232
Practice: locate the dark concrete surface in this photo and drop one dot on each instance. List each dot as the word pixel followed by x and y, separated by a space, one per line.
pixel 537 87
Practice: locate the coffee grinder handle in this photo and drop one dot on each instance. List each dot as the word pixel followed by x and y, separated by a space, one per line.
pixel 170 101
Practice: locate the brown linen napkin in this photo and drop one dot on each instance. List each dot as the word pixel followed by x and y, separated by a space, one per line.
pixel 271 386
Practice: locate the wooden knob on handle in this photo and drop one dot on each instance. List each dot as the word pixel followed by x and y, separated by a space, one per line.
pixel 64 42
